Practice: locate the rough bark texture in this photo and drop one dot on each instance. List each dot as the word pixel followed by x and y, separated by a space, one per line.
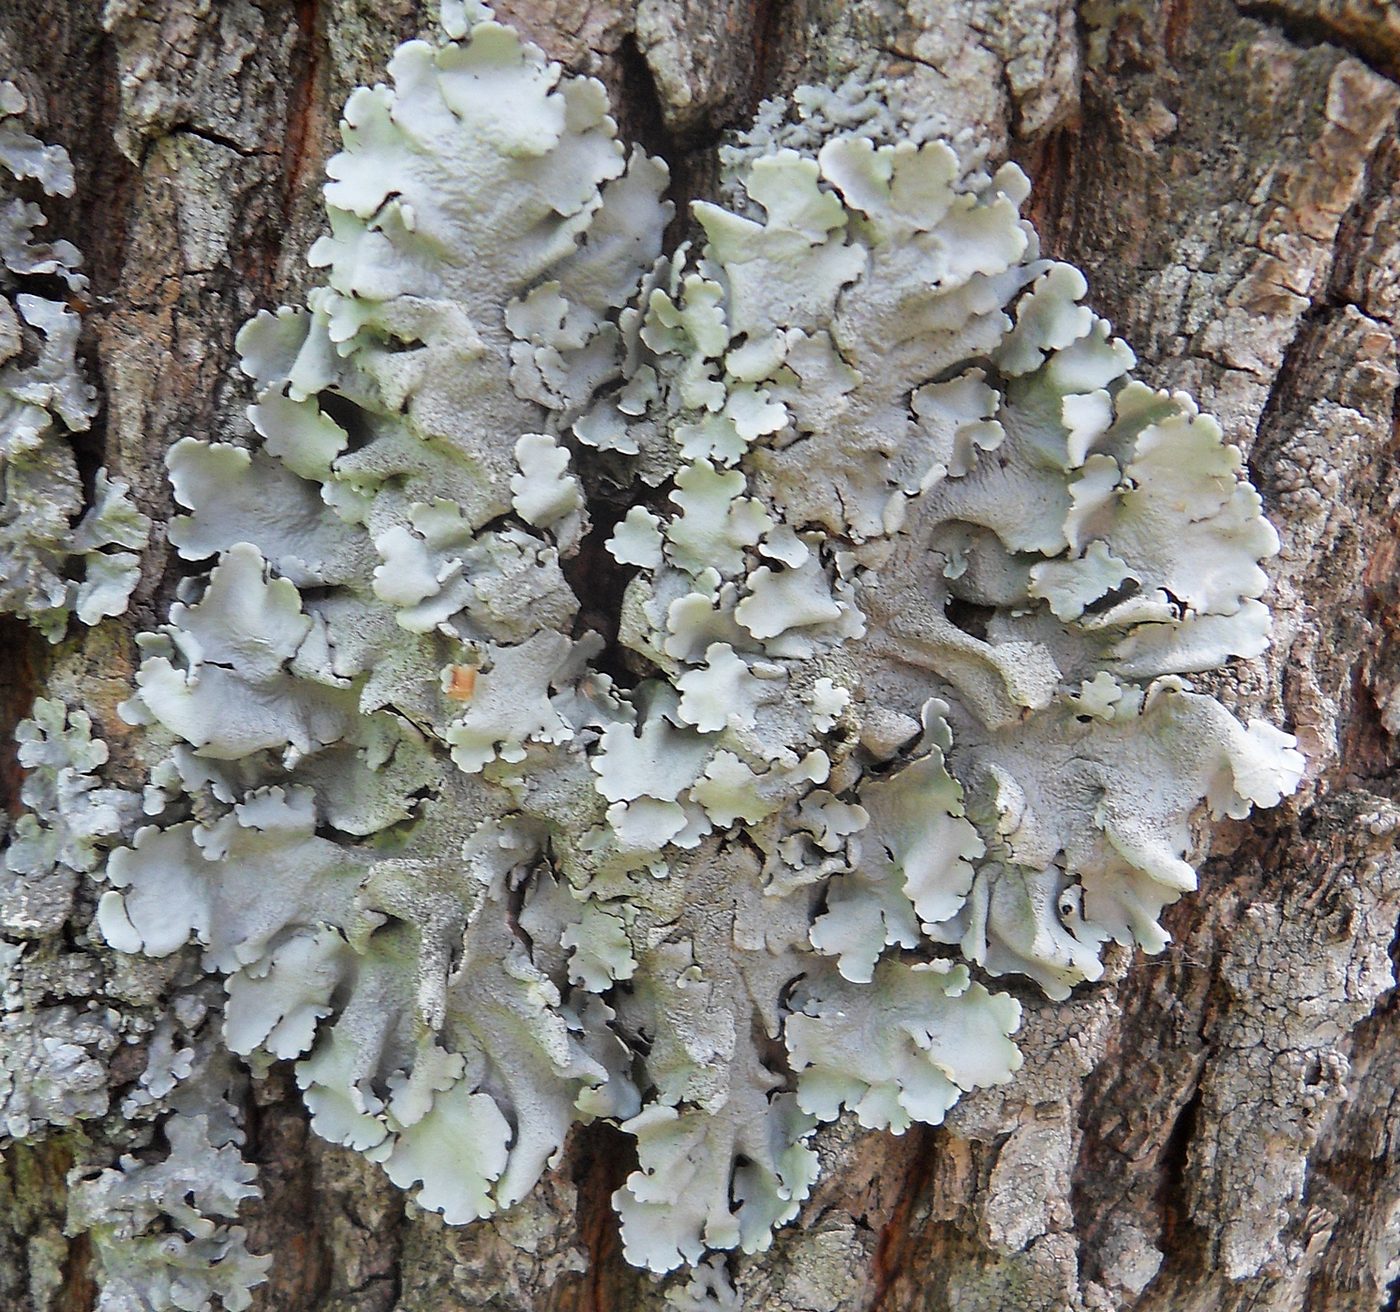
pixel 1217 1128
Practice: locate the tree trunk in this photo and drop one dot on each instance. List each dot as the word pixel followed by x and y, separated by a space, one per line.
pixel 1215 1127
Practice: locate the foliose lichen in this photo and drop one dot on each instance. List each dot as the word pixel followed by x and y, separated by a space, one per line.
pixel 51 1072
pixel 159 1225
pixel 159 1221
pixel 162 1225
pixel 893 701
pixel 56 559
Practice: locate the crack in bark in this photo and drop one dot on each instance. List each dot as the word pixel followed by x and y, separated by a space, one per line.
pixel 602 1158
pixel 897 1235
pixel 1175 1205
pixel 212 137
pixel 896 53
pixel 1308 32
pixel 306 62
pixel 767 31
pixel 1331 298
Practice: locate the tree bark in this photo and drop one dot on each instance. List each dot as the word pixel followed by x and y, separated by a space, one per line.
pixel 1212 1128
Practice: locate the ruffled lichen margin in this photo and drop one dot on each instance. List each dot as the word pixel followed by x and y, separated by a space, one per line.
pixel 892 705
pixel 51 567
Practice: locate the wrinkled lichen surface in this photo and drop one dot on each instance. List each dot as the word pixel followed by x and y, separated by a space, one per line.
pixel 676 687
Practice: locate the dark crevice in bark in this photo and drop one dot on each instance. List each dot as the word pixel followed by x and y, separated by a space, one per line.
pixel 214 138
pixel 600 583
pixel 1368 751
pixel 640 106
pixel 1052 166
pixel 899 1236
pixel 1347 1164
pixel 68 50
pixel 767 33
pixel 78 1292
pixel 1180 1233
pixel 639 111
pixel 1308 31
pixel 107 180
pixel 602 1158
pixel 288 1221
pixel 690 156
pixel 33 1184
pixel 1276 416
pixel 1350 243
pixel 1140 1108
pixel 379 1293
pixel 968 616
pixel 22 658
pixel 306 65
pixel 895 52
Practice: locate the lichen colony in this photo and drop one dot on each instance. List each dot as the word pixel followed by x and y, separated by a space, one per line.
pixel 676 687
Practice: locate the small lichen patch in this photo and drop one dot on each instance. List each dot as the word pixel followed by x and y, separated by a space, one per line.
pixel 56 558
